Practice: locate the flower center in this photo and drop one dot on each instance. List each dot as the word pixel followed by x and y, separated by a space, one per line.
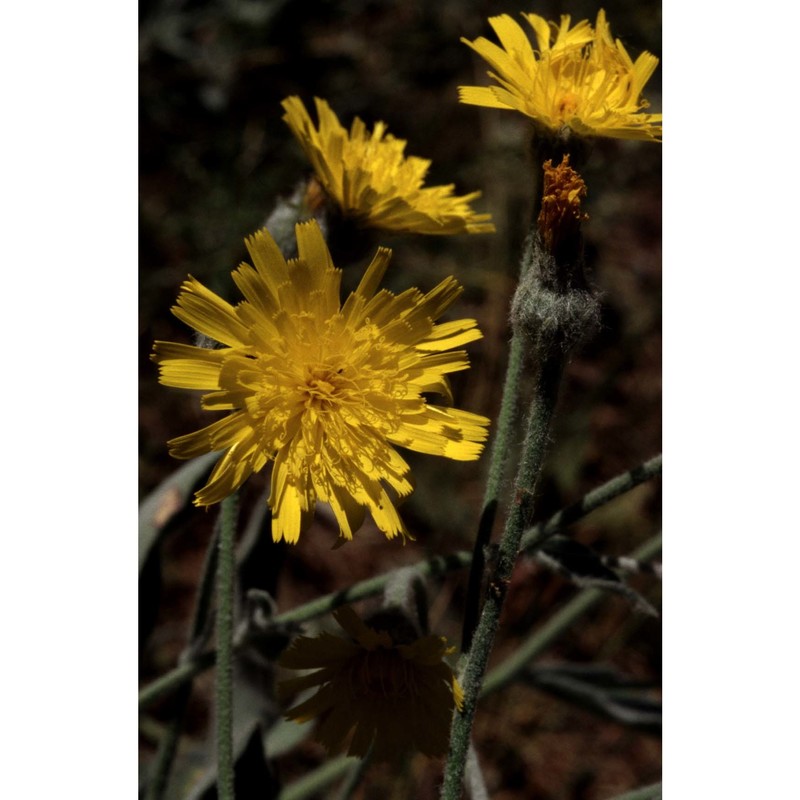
pixel 383 673
pixel 567 105
pixel 322 388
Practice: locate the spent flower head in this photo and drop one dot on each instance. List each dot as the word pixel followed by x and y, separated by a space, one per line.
pixel 371 180
pixel 561 214
pixel 577 77
pixel 322 390
pixel 385 688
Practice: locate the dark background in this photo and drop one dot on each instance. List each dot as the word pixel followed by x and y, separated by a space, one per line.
pixel 214 155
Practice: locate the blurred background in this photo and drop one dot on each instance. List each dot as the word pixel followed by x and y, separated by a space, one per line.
pixel 214 156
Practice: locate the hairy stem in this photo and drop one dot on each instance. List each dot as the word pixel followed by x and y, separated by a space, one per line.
pixel 542 407
pixel 497 462
pixel 538 534
pixel 226 573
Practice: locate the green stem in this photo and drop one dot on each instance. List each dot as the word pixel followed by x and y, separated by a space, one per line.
pixel 497 462
pixel 535 536
pixel 544 400
pixel 168 683
pixel 439 565
pixel 317 780
pixel 356 776
pixel 541 639
pixel 168 745
pixel 226 573
pixel 652 792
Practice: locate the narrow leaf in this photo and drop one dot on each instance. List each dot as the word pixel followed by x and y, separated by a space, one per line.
pixel 585 568
pixel 166 500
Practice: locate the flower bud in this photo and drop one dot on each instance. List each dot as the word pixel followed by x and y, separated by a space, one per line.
pixel 554 305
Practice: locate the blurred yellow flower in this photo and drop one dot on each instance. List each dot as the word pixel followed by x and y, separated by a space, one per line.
pixel 579 77
pixel 383 688
pixel 369 178
pixel 320 389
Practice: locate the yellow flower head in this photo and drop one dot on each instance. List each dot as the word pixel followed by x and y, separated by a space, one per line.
pixel 321 389
pixel 580 78
pixel 386 688
pixel 371 180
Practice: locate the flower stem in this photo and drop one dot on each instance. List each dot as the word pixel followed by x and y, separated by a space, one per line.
pixel 652 792
pixel 226 572
pixel 439 565
pixel 541 412
pixel 535 536
pixel 497 462
pixel 311 784
pixel 356 776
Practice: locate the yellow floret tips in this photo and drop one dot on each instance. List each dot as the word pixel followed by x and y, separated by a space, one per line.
pixel 323 390
pixel 375 688
pixel 368 176
pixel 575 77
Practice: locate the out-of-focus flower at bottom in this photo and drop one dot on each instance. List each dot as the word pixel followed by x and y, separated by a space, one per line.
pixel 385 687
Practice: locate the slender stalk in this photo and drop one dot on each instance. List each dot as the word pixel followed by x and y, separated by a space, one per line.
pixel 356 776
pixel 168 745
pixel 439 565
pixel 538 534
pixel 652 792
pixel 311 784
pixel 169 682
pixel 497 462
pixel 224 679
pixel 544 400
pixel 561 622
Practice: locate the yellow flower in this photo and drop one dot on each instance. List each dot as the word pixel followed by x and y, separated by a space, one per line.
pixel 389 689
pixel 371 180
pixel 579 78
pixel 320 389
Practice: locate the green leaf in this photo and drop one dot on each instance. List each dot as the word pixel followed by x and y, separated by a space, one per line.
pixel 169 497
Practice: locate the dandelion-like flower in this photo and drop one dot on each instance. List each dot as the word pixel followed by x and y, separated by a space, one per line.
pixel 322 390
pixel 368 176
pixel 385 688
pixel 579 77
